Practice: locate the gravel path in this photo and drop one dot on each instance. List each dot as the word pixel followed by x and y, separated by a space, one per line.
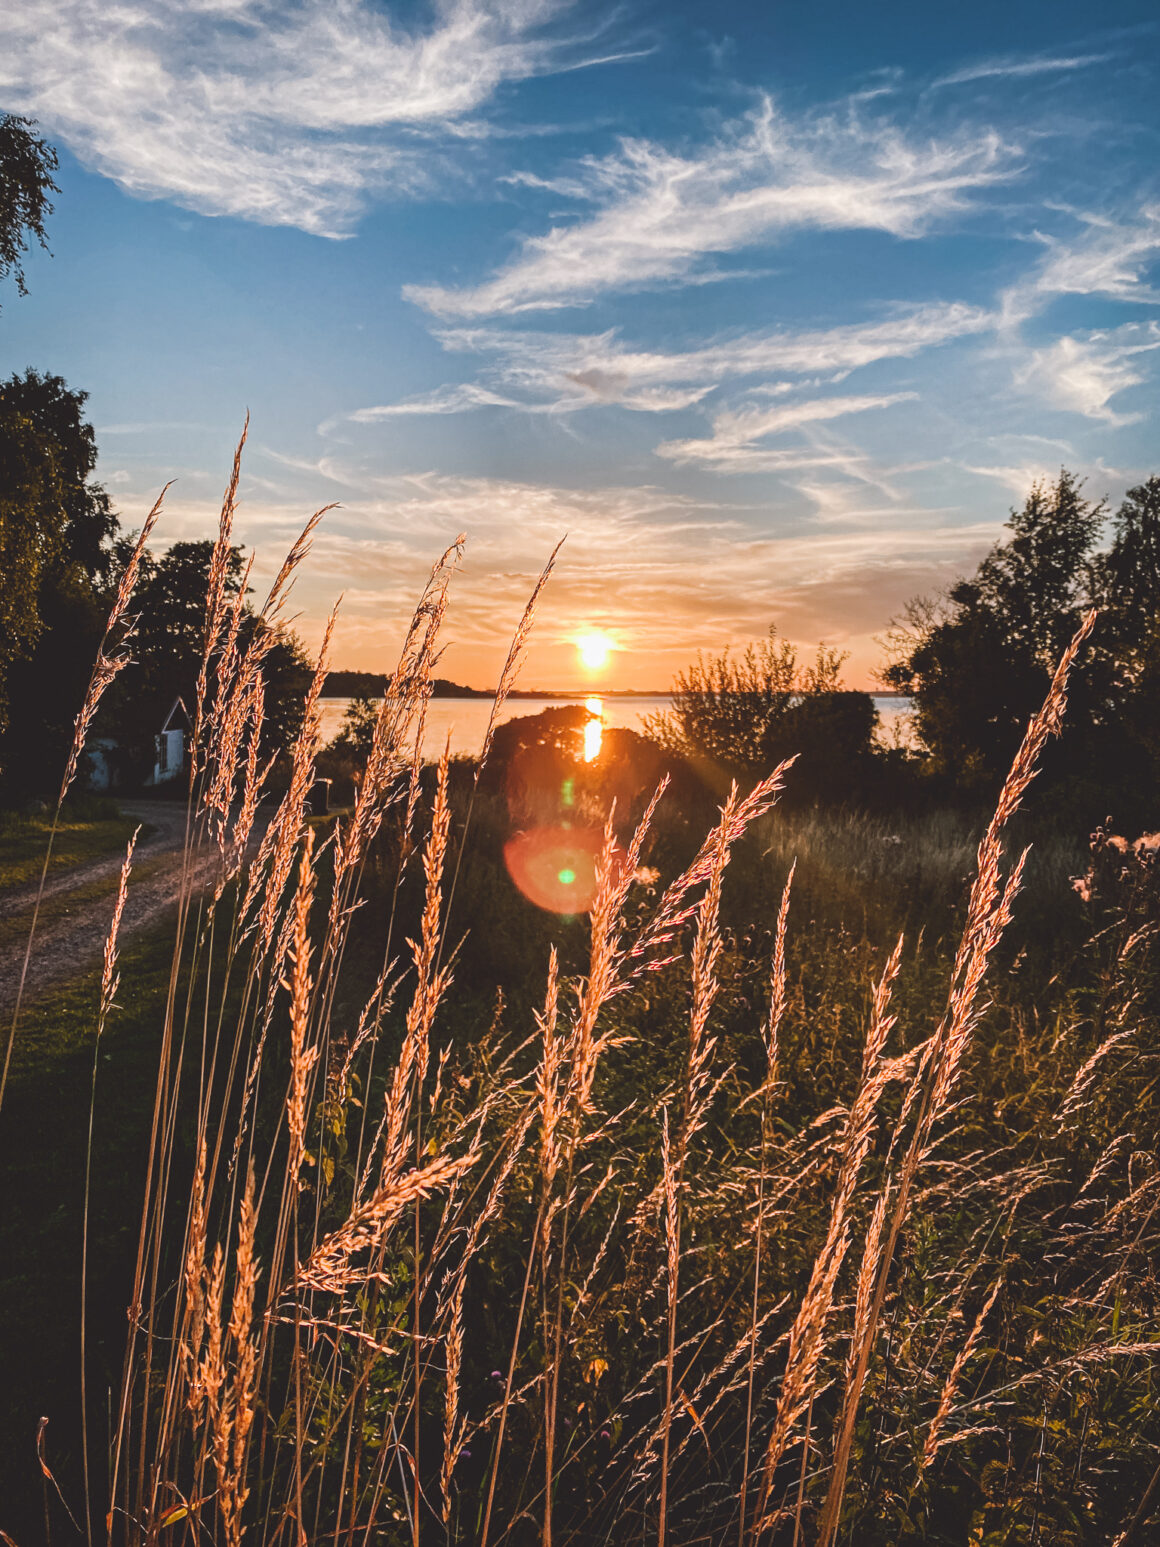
pixel 70 940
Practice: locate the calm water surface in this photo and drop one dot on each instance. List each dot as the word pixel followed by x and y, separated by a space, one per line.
pixel 465 719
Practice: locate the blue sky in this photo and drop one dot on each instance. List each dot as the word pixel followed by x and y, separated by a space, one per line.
pixel 773 309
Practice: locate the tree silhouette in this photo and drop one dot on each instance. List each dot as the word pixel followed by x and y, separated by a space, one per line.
pixel 55 557
pixel 978 662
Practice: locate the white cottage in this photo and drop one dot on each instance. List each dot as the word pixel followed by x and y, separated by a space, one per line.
pixel 170 750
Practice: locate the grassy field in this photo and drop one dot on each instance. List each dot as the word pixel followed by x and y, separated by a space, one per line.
pixel 986 1213
pixel 42 1162
pixel 800 1186
pixel 95 832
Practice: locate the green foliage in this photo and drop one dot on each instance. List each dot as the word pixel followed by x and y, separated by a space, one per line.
pixel 167 650
pixel 978 662
pixel 27 163
pixel 55 529
pixel 88 829
pixel 358 728
pixel 742 715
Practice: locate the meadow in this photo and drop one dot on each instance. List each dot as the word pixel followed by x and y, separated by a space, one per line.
pixel 801 1189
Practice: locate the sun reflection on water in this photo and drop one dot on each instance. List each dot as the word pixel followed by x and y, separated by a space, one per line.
pixel 593 728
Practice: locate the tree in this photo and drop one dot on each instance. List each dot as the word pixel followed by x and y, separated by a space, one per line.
pixel 742 715
pixel 357 732
pixel 979 665
pixel 978 662
pixel 55 556
pixel 1127 589
pixel 168 646
pixel 26 166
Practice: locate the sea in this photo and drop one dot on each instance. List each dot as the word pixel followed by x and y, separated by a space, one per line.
pixel 464 720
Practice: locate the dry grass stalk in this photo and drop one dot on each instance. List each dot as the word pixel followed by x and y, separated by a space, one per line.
pixel 388 757
pixel 193 1311
pixel 453 1437
pixel 300 984
pixel 669 1183
pixel 548 1076
pixel 331 1267
pixel 674 911
pixel 275 857
pixel 550 1110
pixel 511 666
pixel 110 982
pixel 430 982
pixel 112 658
pixel 777 1004
pixel 807 1337
pixel 237 674
pixel 946 1400
pixel 236 1422
pixel 215 605
pixel 988 910
pixel 221 1359
pixel 110 977
pixel 253 783
pixel 705 987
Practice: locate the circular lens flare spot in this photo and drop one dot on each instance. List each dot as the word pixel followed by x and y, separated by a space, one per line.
pixel 555 867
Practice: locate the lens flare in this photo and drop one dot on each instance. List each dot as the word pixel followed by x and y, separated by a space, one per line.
pixel 555 867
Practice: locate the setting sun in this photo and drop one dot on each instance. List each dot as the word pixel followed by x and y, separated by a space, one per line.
pixel 594 650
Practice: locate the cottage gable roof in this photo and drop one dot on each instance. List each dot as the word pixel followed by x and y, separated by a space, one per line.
pixel 178 717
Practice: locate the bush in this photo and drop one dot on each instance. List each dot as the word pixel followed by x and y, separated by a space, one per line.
pixel 739 717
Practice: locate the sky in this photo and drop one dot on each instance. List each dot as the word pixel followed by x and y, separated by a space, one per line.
pixel 773 310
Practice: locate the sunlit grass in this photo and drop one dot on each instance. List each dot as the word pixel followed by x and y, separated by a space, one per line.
pixel 720 1214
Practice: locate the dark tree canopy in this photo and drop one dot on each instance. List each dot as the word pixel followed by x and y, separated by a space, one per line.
pixel 167 650
pixel 55 530
pixel 27 163
pixel 978 663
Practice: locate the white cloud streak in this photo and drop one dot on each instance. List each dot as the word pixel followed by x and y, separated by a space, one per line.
pixel 282 113
pixel 444 400
pixel 660 215
pixel 1108 257
pixel 734 445
pixel 1014 68
pixel 577 371
pixel 1083 374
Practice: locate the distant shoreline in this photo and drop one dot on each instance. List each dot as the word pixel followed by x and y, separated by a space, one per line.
pixel 366 684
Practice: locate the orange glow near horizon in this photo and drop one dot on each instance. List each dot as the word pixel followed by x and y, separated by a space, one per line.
pixel 594 651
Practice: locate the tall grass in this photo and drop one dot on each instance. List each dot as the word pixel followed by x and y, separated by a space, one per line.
pixel 666 1261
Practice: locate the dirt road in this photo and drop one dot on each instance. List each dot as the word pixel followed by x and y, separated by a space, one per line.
pixel 77 906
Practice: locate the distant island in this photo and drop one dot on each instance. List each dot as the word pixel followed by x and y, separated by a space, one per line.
pixel 373 684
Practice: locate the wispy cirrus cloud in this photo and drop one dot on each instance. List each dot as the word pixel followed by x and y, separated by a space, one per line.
pixel 735 444
pixel 1016 67
pixel 286 114
pixel 1083 374
pixel 443 400
pixel 578 370
pixel 661 215
pixel 1109 256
